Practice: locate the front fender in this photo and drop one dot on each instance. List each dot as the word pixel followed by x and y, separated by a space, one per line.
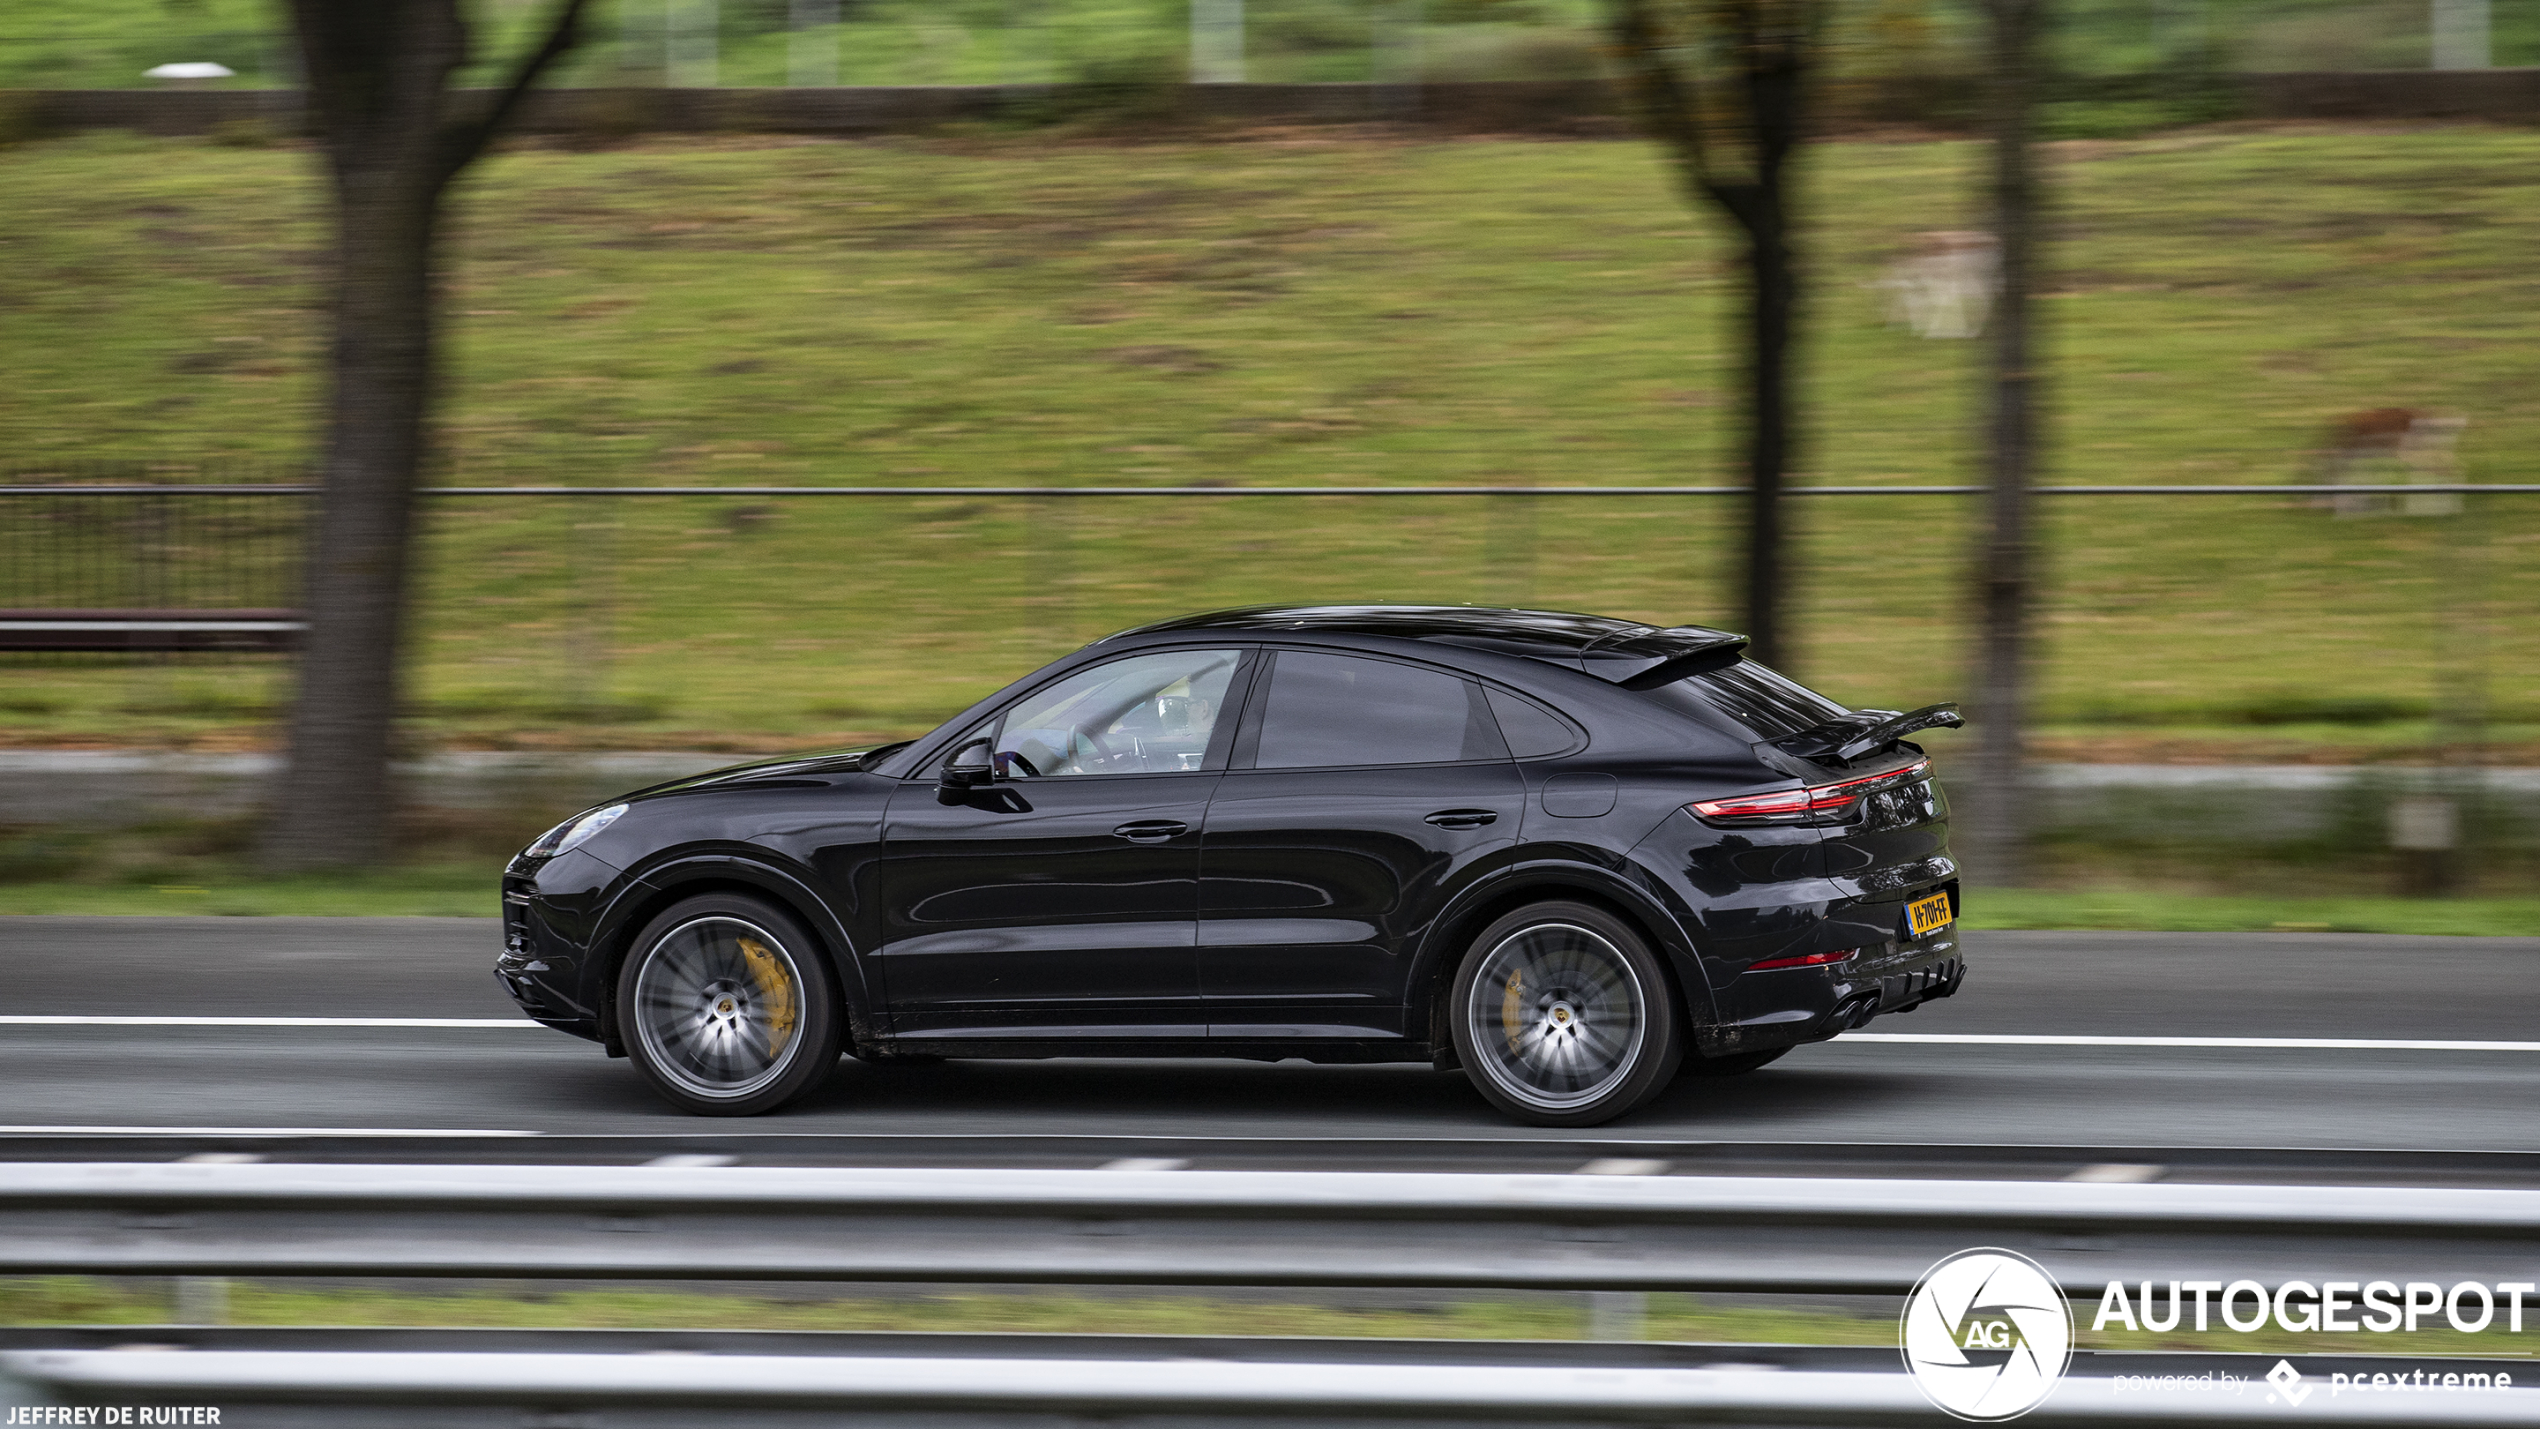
pixel 657 883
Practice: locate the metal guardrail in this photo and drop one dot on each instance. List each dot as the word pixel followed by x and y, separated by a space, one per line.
pixel 151 630
pixel 292 1387
pixel 1873 1236
pixel 1183 1227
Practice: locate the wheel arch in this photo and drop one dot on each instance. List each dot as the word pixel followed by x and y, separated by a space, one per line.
pixel 669 883
pixel 1442 952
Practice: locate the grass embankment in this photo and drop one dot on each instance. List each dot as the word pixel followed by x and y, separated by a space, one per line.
pixel 1028 310
pixel 108 43
pixel 79 1300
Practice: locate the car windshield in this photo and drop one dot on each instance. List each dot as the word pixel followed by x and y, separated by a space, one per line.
pixel 1754 697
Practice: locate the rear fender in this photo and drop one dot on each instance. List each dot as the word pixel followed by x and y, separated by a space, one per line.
pixel 1628 891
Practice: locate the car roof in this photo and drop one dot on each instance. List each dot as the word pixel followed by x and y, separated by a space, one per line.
pixel 1611 649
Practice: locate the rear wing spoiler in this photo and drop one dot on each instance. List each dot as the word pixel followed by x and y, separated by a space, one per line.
pixel 1856 736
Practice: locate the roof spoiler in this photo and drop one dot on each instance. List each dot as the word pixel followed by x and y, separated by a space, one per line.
pixel 1646 659
pixel 1866 733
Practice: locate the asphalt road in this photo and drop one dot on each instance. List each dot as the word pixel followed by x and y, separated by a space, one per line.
pixel 2260 986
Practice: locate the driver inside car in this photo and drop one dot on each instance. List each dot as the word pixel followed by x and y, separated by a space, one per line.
pixel 1140 721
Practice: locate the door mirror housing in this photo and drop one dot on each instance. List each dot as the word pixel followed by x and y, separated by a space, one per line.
pixel 972 766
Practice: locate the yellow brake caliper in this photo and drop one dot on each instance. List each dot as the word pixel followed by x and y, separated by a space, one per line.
pixel 776 989
pixel 1512 1009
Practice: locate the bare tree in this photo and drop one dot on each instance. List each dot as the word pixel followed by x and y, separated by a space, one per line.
pixel 1997 842
pixel 1721 83
pixel 395 135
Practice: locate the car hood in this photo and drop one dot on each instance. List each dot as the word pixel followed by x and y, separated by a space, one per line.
pixel 818 765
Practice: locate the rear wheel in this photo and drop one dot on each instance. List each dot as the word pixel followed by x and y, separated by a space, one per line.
pixel 728 1006
pixel 1563 1017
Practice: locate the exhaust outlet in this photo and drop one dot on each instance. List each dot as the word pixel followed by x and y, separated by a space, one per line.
pixel 1852 1014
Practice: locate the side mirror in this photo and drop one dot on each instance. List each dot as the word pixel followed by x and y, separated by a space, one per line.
pixel 972 766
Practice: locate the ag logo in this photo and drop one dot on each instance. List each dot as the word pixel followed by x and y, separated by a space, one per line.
pixel 1987 1334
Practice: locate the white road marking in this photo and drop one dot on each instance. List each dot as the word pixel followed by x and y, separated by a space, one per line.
pixel 1623 1166
pixel 389 1131
pixel 29 1019
pixel 2119 1173
pixel 2333 1044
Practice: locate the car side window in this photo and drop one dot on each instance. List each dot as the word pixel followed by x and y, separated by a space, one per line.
pixel 1531 730
pixel 1147 714
pixel 1326 710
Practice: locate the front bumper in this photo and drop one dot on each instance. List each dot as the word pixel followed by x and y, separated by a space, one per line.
pixel 544 964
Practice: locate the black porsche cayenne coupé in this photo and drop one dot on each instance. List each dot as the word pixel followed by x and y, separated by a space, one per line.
pixel 1574 857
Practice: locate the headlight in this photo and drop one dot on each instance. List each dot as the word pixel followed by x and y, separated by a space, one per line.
pixel 573 833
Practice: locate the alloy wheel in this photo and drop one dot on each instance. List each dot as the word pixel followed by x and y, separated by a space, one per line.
pixel 719 1007
pixel 1558 1016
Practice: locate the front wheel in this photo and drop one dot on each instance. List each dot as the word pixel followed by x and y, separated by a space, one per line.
pixel 728 1007
pixel 1563 1017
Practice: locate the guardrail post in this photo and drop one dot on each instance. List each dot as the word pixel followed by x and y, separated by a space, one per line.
pixel 202 1300
pixel 1618 1315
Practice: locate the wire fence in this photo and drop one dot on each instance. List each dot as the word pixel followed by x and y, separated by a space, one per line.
pixel 871 609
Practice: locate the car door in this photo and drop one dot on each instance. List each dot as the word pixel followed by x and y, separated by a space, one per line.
pixel 1060 900
pixel 1363 791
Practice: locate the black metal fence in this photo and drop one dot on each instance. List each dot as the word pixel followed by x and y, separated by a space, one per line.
pixel 187 558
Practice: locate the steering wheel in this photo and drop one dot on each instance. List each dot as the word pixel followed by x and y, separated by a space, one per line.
pixel 1102 751
pixel 1014 760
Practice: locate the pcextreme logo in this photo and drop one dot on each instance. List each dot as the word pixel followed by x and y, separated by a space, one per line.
pixel 1987 1335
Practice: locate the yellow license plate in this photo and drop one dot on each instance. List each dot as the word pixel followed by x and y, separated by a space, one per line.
pixel 1928 915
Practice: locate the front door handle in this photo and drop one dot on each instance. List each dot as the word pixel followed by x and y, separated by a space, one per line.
pixel 1463 818
pixel 1151 831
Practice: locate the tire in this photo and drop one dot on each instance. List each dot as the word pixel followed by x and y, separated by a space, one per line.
pixel 1562 1016
pixel 1738 1065
pixel 728 1007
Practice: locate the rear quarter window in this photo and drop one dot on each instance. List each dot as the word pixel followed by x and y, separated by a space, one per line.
pixel 1751 697
pixel 1531 730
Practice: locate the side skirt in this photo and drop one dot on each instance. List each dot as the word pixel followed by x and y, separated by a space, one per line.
pixel 1336 1050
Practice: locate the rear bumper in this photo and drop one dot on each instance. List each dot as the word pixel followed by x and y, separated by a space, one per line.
pixel 1783 1007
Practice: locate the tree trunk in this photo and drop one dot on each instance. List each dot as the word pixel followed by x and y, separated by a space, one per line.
pixel 334 801
pixel 378 88
pixel 1773 297
pixel 1996 850
pixel 1755 134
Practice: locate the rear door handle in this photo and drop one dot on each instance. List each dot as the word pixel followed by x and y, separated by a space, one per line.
pixel 1463 818
pixel 1151 831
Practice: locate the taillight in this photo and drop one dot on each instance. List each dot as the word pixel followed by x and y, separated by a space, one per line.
pixel 1811 960
pixel 1817 804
